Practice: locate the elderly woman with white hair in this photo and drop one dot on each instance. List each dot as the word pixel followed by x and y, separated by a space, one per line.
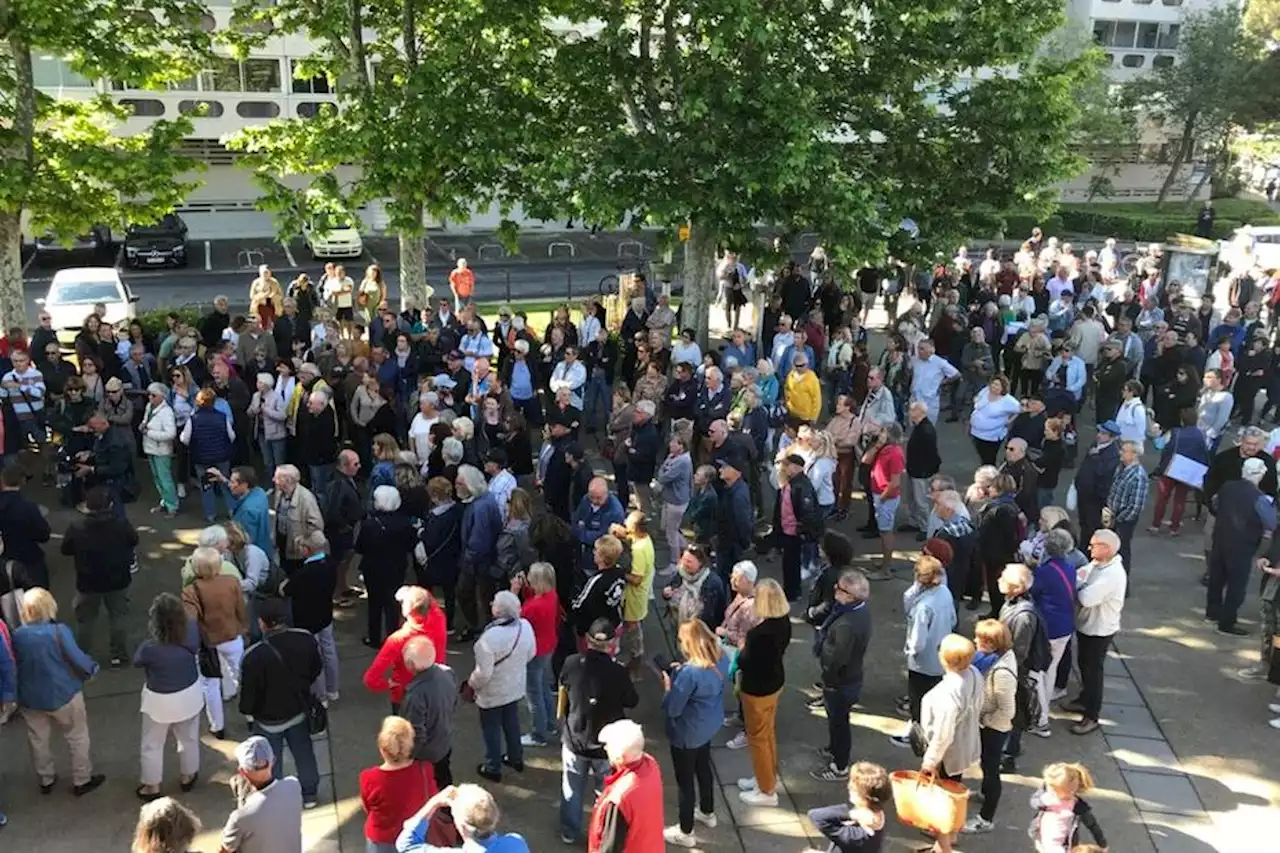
pixel 214 536
pixel 480 529
pixel 498 683
pixel 216 603
pixel 386 540
pixel 297 514
pixel 475 814
pixel 1037 351
pixel 628 813
pixel 739 618
pixel 270 422
pixel 464 429
pixel 420 427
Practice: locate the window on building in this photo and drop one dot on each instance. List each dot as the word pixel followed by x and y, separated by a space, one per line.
pixel 1104 32
pixel 146 107
pixel 1126 32
pixel 221 74
pixel 257 109
pixel 311 109
pixel 201 109
pixel 261 75
pixel 207 23
pixel 1142 2
pixel 1169 36
pixel 1111 58
pixel 1171 2
pixel 50 72
pixel 1133 60
pixel 1148 35
pixel 1162 61
pixel 318 85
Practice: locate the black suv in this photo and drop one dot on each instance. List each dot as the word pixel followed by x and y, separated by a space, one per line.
pixel 97 242
pixel 161 244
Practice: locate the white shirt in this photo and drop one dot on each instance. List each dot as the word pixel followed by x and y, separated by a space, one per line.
pixel 990 418
pixel 420 436
pixel 588 328
pixel 927 376
pixel 473 347
pixel 571 376
pixel 1132 419
pixel 1100 593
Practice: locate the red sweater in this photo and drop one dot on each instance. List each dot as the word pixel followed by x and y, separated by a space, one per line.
pixel 635 792
pixel 543 614
pixel 389 661
pixel 390 797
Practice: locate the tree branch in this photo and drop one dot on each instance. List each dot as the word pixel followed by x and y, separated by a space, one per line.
pixel 652 105
pixel 357 65
pixel 617 63
pixel 670 46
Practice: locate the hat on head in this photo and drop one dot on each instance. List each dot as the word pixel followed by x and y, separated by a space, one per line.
pixel 1253 467
pixel 1110 427
pixel 254 754
pixel 443 380
pixel 114 384
pixel 601 631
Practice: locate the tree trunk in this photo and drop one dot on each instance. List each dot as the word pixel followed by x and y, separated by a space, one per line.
pixel 13 304
pixel 699 280
pixel 1185 145
pixel 413 269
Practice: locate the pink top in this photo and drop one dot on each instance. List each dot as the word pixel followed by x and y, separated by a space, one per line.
pixel 1055 823
pixel 789 525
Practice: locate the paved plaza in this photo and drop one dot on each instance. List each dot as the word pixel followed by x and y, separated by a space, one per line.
pixel 1185 762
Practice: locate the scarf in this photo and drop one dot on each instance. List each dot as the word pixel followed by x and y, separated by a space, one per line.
pixel 687 601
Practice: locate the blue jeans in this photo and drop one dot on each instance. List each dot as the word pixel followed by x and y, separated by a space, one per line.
pixel 578 772
pixel 209 491
pixel 495 723
pixel 597 400
pixel 1045 497
pixel 298 739
pixel 839 701
pixel 326 684
pixel 273 454
pixel 321 475
pixel 542 699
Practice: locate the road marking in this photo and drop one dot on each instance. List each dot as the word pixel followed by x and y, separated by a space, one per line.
pixel 208 256
pixel 31 260
pixel 288 254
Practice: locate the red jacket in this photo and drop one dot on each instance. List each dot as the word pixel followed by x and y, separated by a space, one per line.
pixel 389 661
pixel 627 818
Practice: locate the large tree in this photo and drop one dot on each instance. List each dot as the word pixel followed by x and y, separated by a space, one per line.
pixel 1223 79
pixel 64 165
pixel 839 117
pixel 439 105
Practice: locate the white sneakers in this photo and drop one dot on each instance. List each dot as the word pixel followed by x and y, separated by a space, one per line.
pixel 708 820
pixel 758 798
pixel 738 741
pixel 1275 724
pixel 672 835
pixel 747 783
pixel 977 825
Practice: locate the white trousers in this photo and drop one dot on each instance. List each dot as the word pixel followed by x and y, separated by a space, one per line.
pixel 669 521
pixel 218 690
pixel 187 736
pixel 1045 680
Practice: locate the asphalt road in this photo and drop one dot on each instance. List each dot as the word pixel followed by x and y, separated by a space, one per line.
pixel 494 281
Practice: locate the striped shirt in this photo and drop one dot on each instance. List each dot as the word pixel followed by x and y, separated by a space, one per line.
pixel 28 398
pixel 1128 493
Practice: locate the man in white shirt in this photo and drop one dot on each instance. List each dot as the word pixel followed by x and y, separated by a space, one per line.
pixel 929 372
pixel 589 325
pixel 501 481
pixel 1101 586
pixel 570 375
pixel 1108 261
pixel 1060 282
pixel 475 344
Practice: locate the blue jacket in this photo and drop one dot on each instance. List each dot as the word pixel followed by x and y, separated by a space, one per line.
pixel 210 443
pixel 694 706
pixel 1054 593
pixel 8 671
pixel 1225 330
pixel 253 514
pixel 481 524
pixel 735 518
pixel 45 682
pixel 1187 441
pixel 413 839
pixel 930 617
pixel 1075 374
pixel 746 356
pixel 590 523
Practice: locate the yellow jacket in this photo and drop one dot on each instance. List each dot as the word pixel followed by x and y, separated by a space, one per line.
pixel 804 395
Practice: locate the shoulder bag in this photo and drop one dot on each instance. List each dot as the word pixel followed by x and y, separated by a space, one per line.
pixel 207 657
pixel 316 713
pixel 468 693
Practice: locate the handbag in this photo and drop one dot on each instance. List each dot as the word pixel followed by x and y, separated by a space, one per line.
pixel 207 656
pixel 316 713
pixel 1185 470
pixel 466 692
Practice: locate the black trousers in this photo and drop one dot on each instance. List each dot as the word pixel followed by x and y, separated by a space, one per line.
pixel 384 611
pixel 919 684
pixel 1092 656
pixel 442 771
pixel 791 546
pixel 988 451
pixel 992 747
pixel 1228 585
pixel 693 766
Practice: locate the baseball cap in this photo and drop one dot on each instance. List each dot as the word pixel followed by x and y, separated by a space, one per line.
pixel 601 631
pixel 1109 427
pixel 443 380
pixel 254 754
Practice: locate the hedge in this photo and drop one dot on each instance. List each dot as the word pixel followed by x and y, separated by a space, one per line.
pixel 156 321
pixel 1128 225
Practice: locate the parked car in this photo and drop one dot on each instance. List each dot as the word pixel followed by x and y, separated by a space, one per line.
pixel 96 243
pixel 76 290
pixel 333 237
pixel 159 244
pixel 1252 245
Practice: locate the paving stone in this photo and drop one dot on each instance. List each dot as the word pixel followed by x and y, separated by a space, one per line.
pixel 1176 834
pixel 785 835
pixel 1122 691
pixel 1164 794
pixel 1114 665
pixel 1129 721
pixel 1143 754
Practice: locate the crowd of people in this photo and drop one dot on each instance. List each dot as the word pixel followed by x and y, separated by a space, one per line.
pixel 464 467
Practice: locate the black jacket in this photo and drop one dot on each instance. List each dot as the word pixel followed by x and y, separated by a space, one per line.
pixel 317 436
pixel 102 547
pixel 603 357
pixel 310 588
pixel 601 597
pixel 23 528
pixel 274 688
pixel 804 503
pixel 680 400
pixel 760 660
pixel 386 539
pixel 998 534
pixel 711 406
pixel 923 460
pixel 343 509
pixel 1226 466
pixel 441 537
pixel 1097 470
pixel 599 692
pixel 642 454
pixel 112 457
pixel 842 646
pixel 212 326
